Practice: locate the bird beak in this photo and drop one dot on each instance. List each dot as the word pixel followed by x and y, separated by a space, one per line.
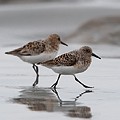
pixel 63 43
pixel 95 56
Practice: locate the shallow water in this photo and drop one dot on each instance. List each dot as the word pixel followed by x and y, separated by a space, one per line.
pixel 18 100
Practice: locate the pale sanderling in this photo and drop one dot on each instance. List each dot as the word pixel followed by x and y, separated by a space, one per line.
pixel 38 51
pixel 71 63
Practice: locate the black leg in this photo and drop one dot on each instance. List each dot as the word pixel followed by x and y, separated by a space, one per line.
pixel 82 83
pixel 36 81
pixel 55 84
pixel 35 67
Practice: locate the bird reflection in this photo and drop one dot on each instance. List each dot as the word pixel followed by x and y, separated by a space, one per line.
pixel 76 98
pixel 37 99
pixel 87 91
pixel 75 111
pixel 44 99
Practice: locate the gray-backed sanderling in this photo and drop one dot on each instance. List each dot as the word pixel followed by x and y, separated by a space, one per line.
pixel 71 63
pixel 38 51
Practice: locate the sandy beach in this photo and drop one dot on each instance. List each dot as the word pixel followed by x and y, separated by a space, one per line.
pixel 18 100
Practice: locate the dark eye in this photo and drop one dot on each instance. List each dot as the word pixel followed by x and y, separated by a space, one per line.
pixel 88 51
pixel 59 38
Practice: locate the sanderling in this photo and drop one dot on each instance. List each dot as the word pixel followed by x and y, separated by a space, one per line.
pixel 38 51
pixel 71 63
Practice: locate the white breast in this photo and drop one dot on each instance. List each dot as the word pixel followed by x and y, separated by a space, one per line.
pixel 39 58
pixel 68 70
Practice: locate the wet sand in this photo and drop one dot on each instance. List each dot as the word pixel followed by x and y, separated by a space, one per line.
pixel 18 100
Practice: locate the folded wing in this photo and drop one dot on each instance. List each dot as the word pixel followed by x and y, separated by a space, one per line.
pixel 32 48
pixel 67 59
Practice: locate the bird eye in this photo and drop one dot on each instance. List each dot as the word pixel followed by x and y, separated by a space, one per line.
pixel 59 38
pixel 87 50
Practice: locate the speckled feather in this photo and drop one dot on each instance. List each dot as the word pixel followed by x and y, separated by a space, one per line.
pixel 51 44
pixel 32 48
pixel 77 58
pixel 36 47
pixel 67 59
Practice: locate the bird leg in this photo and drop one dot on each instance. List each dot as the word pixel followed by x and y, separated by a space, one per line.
pixel 55 84
pixel 35 67
pixel 82 83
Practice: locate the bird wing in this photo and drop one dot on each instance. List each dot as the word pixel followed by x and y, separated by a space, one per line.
pixel 32 48
pixel 67 59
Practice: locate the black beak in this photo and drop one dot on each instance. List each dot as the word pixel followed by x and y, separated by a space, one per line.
pixel 63 43
pixel 95 55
